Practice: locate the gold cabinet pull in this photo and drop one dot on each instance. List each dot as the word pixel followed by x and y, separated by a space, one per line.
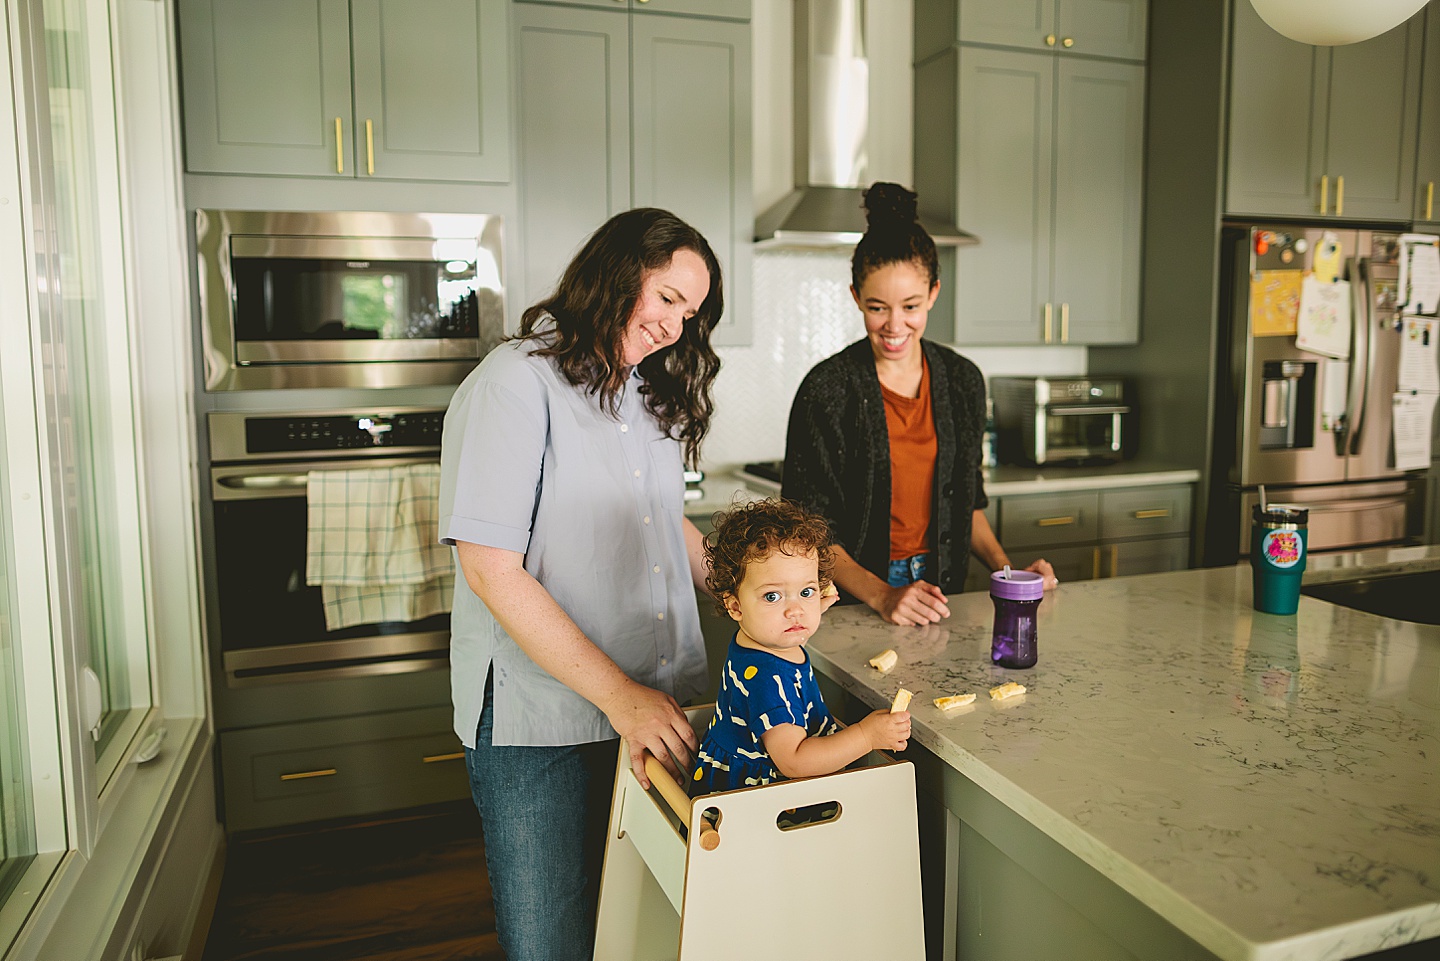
pixel 1068 42
pixel 1055 521
pixel 1094 563
pixel 369 147
pixel 339 153
pixel 1065 323
pixel 1151 514
pixel 1340 196
pixel 1049 320
pixel 1429 200
pixel 432 758
pixel 302 775
pixel 1324 193
pixel 1050 40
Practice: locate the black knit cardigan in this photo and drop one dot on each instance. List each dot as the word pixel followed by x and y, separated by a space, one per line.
pixel 837 457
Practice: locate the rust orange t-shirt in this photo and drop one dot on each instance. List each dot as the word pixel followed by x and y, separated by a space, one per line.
pixel 912 467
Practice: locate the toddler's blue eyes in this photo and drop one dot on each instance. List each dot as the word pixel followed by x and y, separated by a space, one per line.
pixel 772 596
pixel 808 592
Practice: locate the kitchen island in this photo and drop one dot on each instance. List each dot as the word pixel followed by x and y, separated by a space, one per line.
pixel 1184 778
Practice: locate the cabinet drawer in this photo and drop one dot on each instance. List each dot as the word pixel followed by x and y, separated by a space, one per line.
pixel 1070 563
pixel 1145 511
pixel 1146 557
pixel 1069 518
pixel 289 773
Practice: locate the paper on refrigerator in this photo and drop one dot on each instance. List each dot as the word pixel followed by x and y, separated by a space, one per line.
pixel 1419 355
pixel 1413 416
pixel 1322 324
pixel 1274 301
pixel 1419 287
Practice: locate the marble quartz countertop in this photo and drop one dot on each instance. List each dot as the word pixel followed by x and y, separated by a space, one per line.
pixel 1269 785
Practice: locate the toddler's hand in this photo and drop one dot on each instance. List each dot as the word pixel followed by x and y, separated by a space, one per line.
pixel 887 731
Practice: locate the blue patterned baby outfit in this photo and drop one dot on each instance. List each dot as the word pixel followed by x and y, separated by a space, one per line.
pixel 758 690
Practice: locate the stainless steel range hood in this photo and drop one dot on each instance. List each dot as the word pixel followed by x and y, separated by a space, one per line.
pixel 832 104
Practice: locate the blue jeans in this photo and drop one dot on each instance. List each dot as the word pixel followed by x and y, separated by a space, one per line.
pixel 908 570
pixel 545 812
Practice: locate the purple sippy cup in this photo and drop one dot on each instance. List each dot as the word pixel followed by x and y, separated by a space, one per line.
pixel 1016 595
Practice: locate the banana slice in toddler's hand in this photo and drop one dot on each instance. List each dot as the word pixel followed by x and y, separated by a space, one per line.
pixel 884 661
pixel 954 701
pixel 902 701
pixel 1008 689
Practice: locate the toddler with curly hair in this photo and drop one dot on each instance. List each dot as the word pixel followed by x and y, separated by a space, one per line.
pixel 771 569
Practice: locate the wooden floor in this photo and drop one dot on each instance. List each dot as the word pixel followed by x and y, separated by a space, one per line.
pixel 411 887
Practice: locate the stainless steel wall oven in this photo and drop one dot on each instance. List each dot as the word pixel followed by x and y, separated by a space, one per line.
pixel 346 299
pixel 271 626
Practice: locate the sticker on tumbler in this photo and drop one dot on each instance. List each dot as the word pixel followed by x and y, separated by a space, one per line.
pixel 1281 548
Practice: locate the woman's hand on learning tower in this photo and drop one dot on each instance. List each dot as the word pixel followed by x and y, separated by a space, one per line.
pixel 1043 568
pixel 886 731
pixel 913 604
pixel 652 722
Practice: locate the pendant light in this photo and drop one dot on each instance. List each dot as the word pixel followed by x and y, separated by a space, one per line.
pixel 1329 23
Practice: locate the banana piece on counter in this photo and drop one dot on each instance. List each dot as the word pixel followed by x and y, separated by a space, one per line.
pixel 1008 689
pixel 884 661
pixel 902 701
pixel 954 701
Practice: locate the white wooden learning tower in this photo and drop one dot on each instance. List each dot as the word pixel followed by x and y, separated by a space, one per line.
pixel 845 888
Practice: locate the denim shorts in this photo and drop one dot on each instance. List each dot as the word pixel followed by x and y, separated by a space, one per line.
pixel 545 812
pixel 908 570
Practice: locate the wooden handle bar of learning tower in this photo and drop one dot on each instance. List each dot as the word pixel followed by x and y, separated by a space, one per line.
pixel 679 801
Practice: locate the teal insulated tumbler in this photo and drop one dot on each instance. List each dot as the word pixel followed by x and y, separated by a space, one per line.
pixel 1277 557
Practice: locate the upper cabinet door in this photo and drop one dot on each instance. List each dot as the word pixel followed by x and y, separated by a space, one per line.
pixel 1374 113
pixel 432 89
pixel 1102 28
pixel 1005 151
pixel 1008 23
pixel 1427 176
pixel 573 75
pixel 267 86
pixel 691 127
pixel 1099 185
pixel 720 9
pixel 1277 122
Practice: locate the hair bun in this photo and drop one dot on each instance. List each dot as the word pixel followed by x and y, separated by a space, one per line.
pixel 889 205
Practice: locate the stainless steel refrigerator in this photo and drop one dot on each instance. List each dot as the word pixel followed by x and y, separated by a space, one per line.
pixel 1313 430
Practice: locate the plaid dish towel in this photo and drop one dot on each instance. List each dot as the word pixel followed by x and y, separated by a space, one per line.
pixel 371 545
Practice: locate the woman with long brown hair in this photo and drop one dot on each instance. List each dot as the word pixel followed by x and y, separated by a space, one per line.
pixel 575 617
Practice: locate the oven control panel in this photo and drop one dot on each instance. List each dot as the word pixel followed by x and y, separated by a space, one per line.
pixel 240 436
pixel 273 435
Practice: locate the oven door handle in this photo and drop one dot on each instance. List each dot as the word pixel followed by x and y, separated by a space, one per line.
pixel 264 482
pixel 1088 409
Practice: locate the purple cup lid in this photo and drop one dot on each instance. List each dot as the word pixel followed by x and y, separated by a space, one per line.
pixel 1017 585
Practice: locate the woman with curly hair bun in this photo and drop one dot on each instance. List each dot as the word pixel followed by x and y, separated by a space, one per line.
pixel 884 437
pixel 574 621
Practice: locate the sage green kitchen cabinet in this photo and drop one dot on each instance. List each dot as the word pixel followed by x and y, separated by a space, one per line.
pixel 1043 160
pixel 1427 173
pixel 1090 534
pixel 391 89
pixel 1095 28
pixel 721 9
pixel 1322 131
pixel 619 109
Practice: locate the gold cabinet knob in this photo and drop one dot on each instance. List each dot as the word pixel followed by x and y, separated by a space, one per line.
pixel 1068 41
pixel 1050 40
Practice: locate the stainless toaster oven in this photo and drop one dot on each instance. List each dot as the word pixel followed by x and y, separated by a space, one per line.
pixel 1059 420
pixel 346 299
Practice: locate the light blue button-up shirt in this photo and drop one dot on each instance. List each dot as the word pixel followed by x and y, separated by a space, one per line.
pixel 530 463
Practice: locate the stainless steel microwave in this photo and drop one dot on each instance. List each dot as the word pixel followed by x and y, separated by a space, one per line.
pixel 346 299
pixel 1058 420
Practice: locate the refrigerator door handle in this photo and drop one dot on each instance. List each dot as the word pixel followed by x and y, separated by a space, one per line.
pixel 1363 337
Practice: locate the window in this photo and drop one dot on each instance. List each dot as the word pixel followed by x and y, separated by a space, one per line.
pixel 75 606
